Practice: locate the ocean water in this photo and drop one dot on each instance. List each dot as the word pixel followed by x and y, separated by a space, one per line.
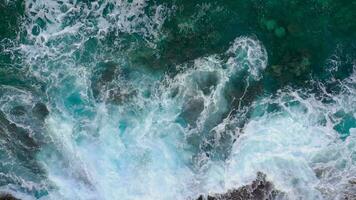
pixel 140 99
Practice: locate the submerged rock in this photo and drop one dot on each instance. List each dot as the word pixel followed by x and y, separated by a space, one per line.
pixel 270 24
pixel 259 189
pixel 280 32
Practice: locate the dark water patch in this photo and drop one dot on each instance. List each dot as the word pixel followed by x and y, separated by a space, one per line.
pixel 206 81
pixel 108 83
pixel 196 29
pixel 20 135
pixel 10 18
pixel 105 73
pixel 191 110
pixel 40 111
pixel 13 76
pixel 18 151
pixel 299 35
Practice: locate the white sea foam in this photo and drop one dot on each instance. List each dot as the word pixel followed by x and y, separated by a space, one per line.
pixel 136 150
pixel 296 146
pixel 248 54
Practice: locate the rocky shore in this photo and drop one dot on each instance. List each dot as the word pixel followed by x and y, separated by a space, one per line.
pixel 259 189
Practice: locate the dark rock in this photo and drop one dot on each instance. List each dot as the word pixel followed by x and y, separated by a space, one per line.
pixel 40 111
pixel 352 181
pixel 7 197
pixel 259 189
pixel 349 191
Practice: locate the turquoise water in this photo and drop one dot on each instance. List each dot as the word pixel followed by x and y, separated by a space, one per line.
pixel 165 100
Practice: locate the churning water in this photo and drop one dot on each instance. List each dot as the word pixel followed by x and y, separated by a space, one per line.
pixel 96 104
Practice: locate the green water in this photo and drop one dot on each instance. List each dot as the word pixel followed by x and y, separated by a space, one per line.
pixel 300 35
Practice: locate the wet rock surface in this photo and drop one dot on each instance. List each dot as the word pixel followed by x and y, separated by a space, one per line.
pixel 259 189
pixel 7 197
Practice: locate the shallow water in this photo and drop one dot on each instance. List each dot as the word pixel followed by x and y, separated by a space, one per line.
pixel 164 100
